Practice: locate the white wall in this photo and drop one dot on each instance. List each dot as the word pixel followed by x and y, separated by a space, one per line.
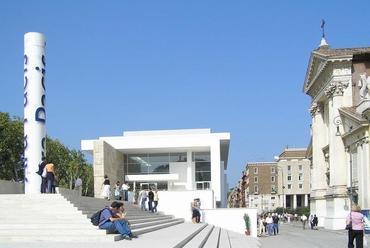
pixel 231 219
pixel 179 168
pixel 178 203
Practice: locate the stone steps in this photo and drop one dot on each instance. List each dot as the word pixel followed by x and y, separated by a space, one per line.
pixel 32 224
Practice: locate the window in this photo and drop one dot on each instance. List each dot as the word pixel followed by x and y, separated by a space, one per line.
pixel 289 167
pixel 256 179
pixel 178 157
pixel 255 170
pixel 273 189
pixel 256 189
pixel 272 179
pixel 273 170
pixel 300 186
pixel 300 167
pixel 202 168
pixel 289 186
pixel 289 178
pixel 203 185
pixel 300 176
pixel 272 197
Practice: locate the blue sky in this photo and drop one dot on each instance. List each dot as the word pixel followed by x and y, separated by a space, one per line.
pixel 232 66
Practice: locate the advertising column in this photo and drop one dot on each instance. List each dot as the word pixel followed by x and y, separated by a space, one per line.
pixel 34 109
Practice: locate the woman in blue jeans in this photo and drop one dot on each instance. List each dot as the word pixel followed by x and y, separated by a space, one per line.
pixel 113 220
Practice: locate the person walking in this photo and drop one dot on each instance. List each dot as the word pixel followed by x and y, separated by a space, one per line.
pixel 304 221
pixel 195 208
pixel 43 176
pixel 155 199
pixel 50 175
pixel 125 189
pixel 275 220
pixel 106 188
pixel 142 199
pixel 355 226
pixel 78 185
pixel 315 222
pixel 150 200
pixel 117 193
pixel 310 221
pixel 270 226
pixel 261 226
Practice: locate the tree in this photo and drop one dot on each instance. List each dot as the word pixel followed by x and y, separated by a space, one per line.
pixel 69 164
pixel 11 148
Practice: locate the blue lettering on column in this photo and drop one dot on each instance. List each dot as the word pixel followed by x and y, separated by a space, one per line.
pixel 40 115
pixel 25 82
pixel 25 101
pixel 25 143
pixel 43 83
pixel 25 59
pixel 43 100
pixel 43 60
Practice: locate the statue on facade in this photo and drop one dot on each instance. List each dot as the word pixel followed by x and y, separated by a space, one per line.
pixel 364 85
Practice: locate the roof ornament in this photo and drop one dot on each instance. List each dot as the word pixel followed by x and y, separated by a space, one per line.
pixel 323 42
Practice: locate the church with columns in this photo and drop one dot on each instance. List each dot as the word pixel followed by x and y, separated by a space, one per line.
pixel 338 82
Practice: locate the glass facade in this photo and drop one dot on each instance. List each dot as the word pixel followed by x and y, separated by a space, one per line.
pixel 151 163
pixel 202 168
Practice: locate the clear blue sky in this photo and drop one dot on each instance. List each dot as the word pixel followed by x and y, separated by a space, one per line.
pixel 232 66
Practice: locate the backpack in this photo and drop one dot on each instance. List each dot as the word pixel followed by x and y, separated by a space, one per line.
pixel 95 218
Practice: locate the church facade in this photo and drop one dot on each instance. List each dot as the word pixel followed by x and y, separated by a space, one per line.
pixel 338 82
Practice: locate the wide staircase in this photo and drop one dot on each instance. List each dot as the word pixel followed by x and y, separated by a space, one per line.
pixel 56 218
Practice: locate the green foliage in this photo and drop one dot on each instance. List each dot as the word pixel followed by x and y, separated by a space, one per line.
pixel 299 211
pixel 69 164
pixel 247 221
pixel 11 148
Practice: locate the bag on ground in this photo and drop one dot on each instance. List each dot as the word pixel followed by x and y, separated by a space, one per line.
pixel 95 218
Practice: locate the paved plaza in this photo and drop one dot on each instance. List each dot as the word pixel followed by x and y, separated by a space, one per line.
pixel 292 235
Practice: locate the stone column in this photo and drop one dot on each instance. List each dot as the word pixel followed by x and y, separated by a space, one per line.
pixel 294 201
pixel 338 175
pixel 189 171
pixel 216 170
pixel 305 200
pixel 318 177
pixel 337 196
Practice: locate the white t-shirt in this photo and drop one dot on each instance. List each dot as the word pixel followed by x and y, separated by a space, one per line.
pixel 125 187
pixel 78 182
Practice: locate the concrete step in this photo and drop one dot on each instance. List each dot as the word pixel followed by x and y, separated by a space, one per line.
pixel 213 239
pixel 224 241
pixel 52 231
pixel 159 217
pixel 199 240
pixel 43 226
pixel 55 238
pixel 238 240
pixel 171 237
pixel 140 231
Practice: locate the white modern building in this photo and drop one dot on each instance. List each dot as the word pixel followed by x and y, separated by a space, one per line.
pixel 338 82
pixel 172 160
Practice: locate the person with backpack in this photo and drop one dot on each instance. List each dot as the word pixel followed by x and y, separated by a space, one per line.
pixel 113 219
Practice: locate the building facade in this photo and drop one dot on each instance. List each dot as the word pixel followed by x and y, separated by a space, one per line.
pixel 262 181
pixel 337 80
pixel 294 178
pixel 173 160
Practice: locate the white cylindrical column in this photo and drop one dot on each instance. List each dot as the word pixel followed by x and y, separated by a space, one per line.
pixel 34 109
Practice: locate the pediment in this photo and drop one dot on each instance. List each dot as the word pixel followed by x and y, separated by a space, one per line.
pixel 315 66
pixel 350 119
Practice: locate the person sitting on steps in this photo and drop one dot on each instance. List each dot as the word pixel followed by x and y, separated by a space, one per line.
pixel 113 219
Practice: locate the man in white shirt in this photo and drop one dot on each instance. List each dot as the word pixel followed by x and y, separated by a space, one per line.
pixel 270 226
pixel 78 185
pixel 125 189
pixel 304 220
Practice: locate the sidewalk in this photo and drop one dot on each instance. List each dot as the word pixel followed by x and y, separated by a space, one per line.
pixel 292 235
